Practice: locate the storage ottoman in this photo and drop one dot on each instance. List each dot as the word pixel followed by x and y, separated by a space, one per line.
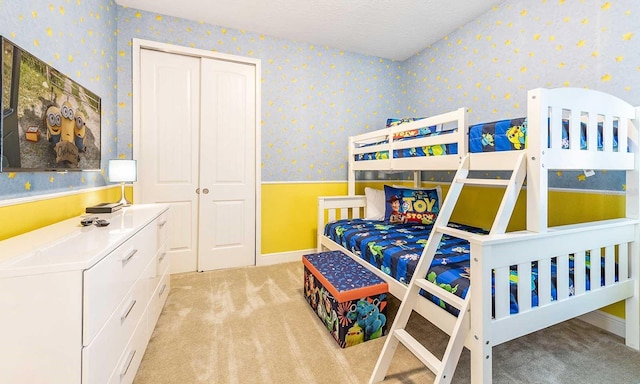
pixel 350 300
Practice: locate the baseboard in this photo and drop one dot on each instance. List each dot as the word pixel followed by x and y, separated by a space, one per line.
pixel 283 257
pixel 606 321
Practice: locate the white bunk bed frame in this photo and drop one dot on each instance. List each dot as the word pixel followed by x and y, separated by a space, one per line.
pixel 616 241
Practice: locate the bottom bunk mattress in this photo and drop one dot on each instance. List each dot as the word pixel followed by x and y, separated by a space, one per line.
pixel 396 248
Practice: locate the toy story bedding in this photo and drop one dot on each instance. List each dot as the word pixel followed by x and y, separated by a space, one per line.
pixel 501 135
pixel 429 131
pixel 396 248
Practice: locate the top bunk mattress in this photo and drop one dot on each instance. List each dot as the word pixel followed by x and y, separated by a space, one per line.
pixel 495 136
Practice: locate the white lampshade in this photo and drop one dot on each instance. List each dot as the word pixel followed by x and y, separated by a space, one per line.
pixel 123 171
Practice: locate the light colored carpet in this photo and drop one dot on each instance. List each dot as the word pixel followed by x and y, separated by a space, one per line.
pixel 253 325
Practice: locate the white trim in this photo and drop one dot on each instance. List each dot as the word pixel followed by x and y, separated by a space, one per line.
pixel 258 157
pixel 182 50
pixel 589 191
pixel 429 182
pixel 283 257
pixel 304 182
pixel 606 321
pixel 49 196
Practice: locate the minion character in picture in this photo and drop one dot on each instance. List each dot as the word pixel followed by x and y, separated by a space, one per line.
pixel 68 123
pixel 53 122
pixel 79 131
pixel 65 144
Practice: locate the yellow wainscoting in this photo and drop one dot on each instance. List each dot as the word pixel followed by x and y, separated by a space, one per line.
pixel 24 217
pixel 289 212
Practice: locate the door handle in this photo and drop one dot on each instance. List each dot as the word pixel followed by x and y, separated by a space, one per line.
pixel 197 191
pixel 205 191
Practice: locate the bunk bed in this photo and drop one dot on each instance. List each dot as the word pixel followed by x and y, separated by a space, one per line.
pixel 566 128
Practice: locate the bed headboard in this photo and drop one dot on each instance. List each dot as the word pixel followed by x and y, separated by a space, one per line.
pixel 592 119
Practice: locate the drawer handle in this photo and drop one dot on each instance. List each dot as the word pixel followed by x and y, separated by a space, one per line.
pixel 162 223
pixel 129 256
pixel 162 257
pixel 127 363
pixel 164 286
pixel 127 311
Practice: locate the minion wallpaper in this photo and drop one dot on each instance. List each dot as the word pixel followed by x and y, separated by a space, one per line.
pixel 50 122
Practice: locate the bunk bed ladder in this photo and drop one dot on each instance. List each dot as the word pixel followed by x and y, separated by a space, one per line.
pixel 444 369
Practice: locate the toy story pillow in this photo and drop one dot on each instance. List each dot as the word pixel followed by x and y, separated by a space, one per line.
pixel 408 205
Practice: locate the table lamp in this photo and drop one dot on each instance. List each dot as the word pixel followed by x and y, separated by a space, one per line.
pixel 123 171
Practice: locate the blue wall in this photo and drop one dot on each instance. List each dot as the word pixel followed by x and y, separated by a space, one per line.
pixel 489 65
pixel 315 96
pixel 79 39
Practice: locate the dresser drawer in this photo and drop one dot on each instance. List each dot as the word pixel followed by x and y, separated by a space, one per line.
pixel 101 355
pixel 158 298
pixel 156 271
pixel 162 229
pixel 162 260
pixel 130 359
pixel 106 283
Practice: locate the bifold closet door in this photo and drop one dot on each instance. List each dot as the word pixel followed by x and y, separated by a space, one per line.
pixel 197 153
pixel 227 165
pixel 168 151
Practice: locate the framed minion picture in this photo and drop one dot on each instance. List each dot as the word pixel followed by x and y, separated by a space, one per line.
pixel 49 122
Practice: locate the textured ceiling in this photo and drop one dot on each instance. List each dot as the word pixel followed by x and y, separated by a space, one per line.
pixel 392 29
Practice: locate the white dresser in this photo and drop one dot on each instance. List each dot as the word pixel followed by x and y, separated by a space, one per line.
pixel 79 304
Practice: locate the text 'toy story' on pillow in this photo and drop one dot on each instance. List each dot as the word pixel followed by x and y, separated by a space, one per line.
pixel 408 205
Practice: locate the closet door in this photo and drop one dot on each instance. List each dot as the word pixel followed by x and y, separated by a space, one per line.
pixel 227 165
pixel 168 149
pixel 196 150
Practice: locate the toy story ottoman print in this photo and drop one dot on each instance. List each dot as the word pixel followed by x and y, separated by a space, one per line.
pixel 350 300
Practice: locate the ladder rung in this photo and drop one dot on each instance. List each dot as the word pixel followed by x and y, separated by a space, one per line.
pixel 503 182
pixel 459 233
pixel 448 297
pixel 427 358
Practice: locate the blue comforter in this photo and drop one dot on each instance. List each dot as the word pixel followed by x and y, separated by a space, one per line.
pixel 396 248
